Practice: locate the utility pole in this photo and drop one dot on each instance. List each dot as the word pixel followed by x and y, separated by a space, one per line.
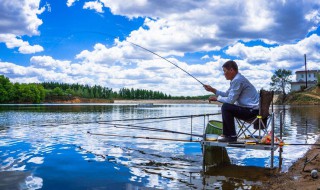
pixel 305 66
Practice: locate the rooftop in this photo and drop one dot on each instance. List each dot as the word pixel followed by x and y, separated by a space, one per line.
pixel 309 71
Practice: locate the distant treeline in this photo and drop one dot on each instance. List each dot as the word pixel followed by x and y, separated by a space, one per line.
pixel 54 89
pixel 51 91
pixel 65 91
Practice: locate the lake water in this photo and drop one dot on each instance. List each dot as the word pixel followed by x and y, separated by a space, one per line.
pixel 69 147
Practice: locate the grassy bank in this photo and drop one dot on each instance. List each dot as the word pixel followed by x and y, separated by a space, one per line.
pixel 307 97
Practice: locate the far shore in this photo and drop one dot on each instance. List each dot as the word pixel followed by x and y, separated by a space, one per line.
pixel 171 101
pixel 138 101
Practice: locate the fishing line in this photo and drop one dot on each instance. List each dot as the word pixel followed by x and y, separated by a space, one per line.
pixel 293 144
pixel 166 60
pixel 277 144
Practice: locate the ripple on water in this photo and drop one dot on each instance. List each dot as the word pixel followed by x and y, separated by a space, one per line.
pixel 33 141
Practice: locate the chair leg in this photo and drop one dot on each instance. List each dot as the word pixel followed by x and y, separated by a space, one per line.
pixel 243 128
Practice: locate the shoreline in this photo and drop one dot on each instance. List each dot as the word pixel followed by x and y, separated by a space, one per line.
pixel 295 177
pixel 164 102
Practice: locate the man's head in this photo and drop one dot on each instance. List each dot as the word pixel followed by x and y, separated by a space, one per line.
pixel 230 69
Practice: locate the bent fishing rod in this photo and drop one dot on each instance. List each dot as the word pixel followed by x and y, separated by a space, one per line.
pixel 166 60
pixel 135 44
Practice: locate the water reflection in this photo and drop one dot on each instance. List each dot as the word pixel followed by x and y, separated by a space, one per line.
pixel 39 144
pixel 219 172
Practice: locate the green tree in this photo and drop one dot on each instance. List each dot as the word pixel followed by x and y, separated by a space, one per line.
pixel 6 89
pixel 42 92
pixel 280 81
pixel 27 94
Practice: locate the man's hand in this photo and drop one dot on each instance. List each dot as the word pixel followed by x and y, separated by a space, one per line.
pixel 212 98
pixel 209 88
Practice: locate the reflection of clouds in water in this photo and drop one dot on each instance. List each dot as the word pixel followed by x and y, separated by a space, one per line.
pixel 36 160
pixel 7 163
pixel 300 127
pixel 33 182
pixel 251 157
pixel 165 164
pixel 17 167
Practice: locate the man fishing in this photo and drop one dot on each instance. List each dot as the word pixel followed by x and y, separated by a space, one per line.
pixel 241 100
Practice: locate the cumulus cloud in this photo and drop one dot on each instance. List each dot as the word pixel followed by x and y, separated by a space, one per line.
pixel 190 25
pixel 71 2
pixel 49 62
pixel 20 17
pixel 13 41
pixel 285 56
pixel 172 29
pixel 121 66
pixel 94 5
pixel 205 57
pixel 123 53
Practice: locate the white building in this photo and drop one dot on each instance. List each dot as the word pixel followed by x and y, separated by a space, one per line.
pixel 300 84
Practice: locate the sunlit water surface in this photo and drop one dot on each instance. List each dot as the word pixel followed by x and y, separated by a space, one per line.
pixel 49 147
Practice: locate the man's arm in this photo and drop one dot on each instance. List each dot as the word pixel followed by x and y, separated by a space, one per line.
pixel 233 93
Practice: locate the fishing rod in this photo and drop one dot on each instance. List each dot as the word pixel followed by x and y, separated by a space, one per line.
pixel 166 60
pixel 135 44
pixel 155 118
pixel 164 120
pixel 279 144
pixel 296 144
pixel 140 137
pixel 151 129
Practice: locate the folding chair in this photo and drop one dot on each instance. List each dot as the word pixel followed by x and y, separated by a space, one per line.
pixel 261 122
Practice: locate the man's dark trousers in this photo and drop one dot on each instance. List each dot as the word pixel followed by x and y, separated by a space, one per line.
pixel 230 111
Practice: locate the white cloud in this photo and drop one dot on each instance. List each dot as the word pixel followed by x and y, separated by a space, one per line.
pixel 30 49
pixel 71 2
pixel 216 57
pixel 12 41
pixel 94 5
pixel 173 28
pixel 122 53
pixel 205 57
pixel 191 25
pixel 49 62
pixel 286 56
pixel 314 16
pixel 125 65
pixel 174 38
pixel 20 17
pixel 257 20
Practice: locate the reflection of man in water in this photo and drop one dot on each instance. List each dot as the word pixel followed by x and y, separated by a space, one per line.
pixel 241 100
pixel 215 156
pixel 217 164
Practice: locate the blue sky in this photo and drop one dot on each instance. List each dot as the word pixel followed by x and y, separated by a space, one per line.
pixel 87 42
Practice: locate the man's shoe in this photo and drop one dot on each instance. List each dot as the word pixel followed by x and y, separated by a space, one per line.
pixel 228 139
